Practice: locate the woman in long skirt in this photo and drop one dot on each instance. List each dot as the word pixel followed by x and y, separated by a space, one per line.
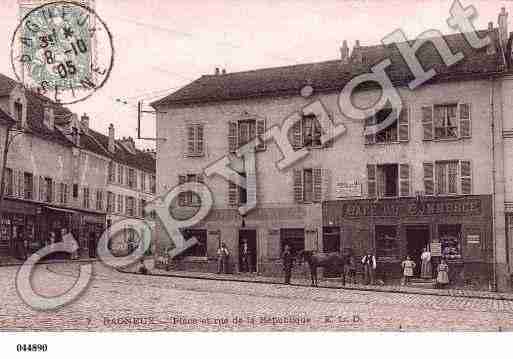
pixel 425 269
pixel 442 278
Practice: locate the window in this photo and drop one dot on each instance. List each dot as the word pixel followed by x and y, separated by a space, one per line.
pixel 308 185
pixel 153 184
pixel 237 195
pixel 85 199
pixel 18 114
pixel 195 140
pixel 48 184
pixel 120 203
pixel 388 180
pixel 130 202
pixel 387 242
pixel 307 132
pixel 112 172
pixel 142 210
pixel 200 249
pixel 8 180
pixel 28 183
pixel 397 130
pixel 243 131
pixel 189 198
pixel 75 190
pixel 131 178
pixel 447 177
pixel 110 202
pixel 120 174
pixel 450 239
pixel 127 176
pixel 143 181
pixel 63 195
pixel 446 121
pixel 99 200
pixel 293 237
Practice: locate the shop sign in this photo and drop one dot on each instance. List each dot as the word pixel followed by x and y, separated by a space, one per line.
pixel 473 239
pixel 348 189
pixel 436 249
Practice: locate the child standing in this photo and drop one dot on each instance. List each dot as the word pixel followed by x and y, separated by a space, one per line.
pixel 408 266
pixel 442 279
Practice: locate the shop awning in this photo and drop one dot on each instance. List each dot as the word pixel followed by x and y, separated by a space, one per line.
pixel 60 209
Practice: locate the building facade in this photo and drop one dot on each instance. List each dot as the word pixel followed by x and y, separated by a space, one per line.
pixel 437 177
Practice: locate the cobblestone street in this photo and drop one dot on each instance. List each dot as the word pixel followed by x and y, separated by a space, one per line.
pixel 121 301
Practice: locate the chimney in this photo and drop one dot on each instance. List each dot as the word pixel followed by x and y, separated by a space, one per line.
pixel 75 134
pixel 356 55
pixel 48 116
pixel 84 121
pixel 503 27
pixel 217 71
pixel 111 138
pixel 344 52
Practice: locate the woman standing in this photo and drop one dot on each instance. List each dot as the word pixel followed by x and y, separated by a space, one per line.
pixel 442 279
pixel 408 266
pixel 425 269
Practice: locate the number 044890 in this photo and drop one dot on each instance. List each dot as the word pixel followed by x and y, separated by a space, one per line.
pixel 31 347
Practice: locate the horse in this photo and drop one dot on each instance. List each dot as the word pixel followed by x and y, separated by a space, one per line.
pixel 331 260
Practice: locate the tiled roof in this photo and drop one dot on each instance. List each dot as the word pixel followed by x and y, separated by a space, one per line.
pixel 99 143
pixel 333 75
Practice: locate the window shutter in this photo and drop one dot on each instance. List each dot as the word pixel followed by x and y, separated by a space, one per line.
pixel 21 184
pixel 317 184
pixel 404 124
pixel 427 122
pixel 35 194
pixel 404 179
pixel 232 136
pixel 42 189
pixel 233 194
pixel 297 140
pixel 370 139
pixel 199 140
pixel 371 181
pixel 190 140
pixel 325 184
pixel 429 183
pixel 15 184
pixel 465 120
pixel 54 191
pixel 298 185
pixel 200 178
pixel 181 197
pixel 260 130
pixel 466 177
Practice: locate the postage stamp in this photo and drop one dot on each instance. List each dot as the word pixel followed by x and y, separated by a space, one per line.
pixel 63 50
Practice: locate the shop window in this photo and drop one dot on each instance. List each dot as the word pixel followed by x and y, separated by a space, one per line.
pixel 450 239
pixel 28 182
pixel 387 242
pixel 200 249
pixel 294 237
pixel 8 181
pixel 331 239
pixel 445 121
pixel 5 229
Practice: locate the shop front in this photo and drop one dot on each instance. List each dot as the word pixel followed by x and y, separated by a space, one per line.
pixel 18 228
pixel 458 229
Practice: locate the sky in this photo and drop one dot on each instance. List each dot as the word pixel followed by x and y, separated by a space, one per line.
pixel 161 46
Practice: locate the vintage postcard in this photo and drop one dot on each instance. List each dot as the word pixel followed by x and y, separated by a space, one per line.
pixel 256 166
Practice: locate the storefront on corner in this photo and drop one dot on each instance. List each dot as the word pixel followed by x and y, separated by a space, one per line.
pixel 457 228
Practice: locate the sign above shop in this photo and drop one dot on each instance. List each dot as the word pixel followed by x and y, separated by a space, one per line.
pixel 473 239
pixel 348 189
pixel 436 249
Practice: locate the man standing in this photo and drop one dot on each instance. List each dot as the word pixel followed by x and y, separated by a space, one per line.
pixel 369 267
pixel 288 262
pixel 222 259
pixel 245 257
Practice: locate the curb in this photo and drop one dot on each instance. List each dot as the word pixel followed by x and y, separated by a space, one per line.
pixel 56 261
pixel 374 289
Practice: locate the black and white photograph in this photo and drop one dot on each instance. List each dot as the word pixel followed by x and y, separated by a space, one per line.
pixel 281 167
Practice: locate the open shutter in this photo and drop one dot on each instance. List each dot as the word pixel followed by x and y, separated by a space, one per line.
pixel 404 179
pixel 370 139
pixel 260 130
pixel 371 181
pixel 466 177
pixel 199 140
pixel 190 139
pixel 427 122
pixel 429 183
pixel 465 120
pixel 181 197
pixel 232 136
pixel 317 184
pixel 404 124
pixel 297 138
pixel 233 194
pixel 298 185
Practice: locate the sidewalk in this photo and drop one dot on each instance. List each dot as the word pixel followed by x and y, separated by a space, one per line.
pixel 9 262
pixel 332 284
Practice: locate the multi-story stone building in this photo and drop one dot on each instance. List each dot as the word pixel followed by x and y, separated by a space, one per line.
pixel 434 178
pixel 57 174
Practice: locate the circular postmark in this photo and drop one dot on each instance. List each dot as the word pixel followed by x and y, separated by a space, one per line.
pixel 62 50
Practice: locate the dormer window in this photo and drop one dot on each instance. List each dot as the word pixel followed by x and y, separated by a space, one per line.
pixel 18 114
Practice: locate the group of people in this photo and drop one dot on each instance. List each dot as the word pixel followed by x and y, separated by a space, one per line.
pixel 426 269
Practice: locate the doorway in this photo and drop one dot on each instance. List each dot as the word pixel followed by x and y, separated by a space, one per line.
pixel 247 241
pixel 417 238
